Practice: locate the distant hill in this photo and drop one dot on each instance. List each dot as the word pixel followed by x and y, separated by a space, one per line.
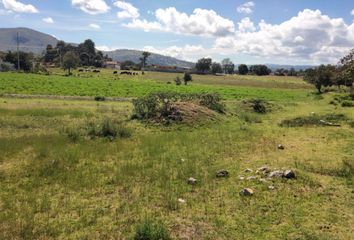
pixel 156 59
pixel 274 67
pixel 30 40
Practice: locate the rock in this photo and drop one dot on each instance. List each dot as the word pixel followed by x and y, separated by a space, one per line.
pixel 281 147
pixel 246 192
pixel 277 173
pixel 262 180
pixel 248 170
pixel 192 181
pixel 264 170
pixel 241 178
pixel 271 187
pixel 222 173
pixel 251 178
pixel 180 200
pixel 289 174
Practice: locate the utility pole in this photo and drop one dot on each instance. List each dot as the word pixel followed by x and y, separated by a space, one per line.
pixel 18 53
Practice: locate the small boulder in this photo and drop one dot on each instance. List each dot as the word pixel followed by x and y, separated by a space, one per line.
pixel 251 178
pixel 263 170
pixel 277 173
pixel 192 181
pixel 248 170
pixel 222 173
pixel 281 147
pixel 241 178
pixel 246 192
pixel 289 174
pixel 271 187
pixel 181 200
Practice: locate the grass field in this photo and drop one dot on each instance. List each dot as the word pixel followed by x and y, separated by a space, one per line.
pixel 108 85
pixel 56 187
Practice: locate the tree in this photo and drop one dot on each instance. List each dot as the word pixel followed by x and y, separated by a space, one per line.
pixel 228 66
pixel 70 61
pixel 203 65
pixel 243 69
pixel 346 70
pixel 216 68
pixel 260 70
pixel 144 58
pixel 26 60
pixel 187 78
pixel 127 65
pixel 322 76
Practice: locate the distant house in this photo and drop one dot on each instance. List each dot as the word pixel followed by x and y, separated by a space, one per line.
pixel 112 65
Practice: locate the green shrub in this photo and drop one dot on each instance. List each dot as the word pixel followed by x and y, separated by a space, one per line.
pixel 159 104
pixel 212 101
pixel 100 99
pixel 257 105
pixel 109 129
pixel 178 81
pixel 150 230
pixel 347 103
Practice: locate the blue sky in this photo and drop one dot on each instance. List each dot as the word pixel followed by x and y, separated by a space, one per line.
pixel 259 31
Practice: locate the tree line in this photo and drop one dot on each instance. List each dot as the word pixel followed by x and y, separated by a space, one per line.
pixel 207 66
pixel 338 75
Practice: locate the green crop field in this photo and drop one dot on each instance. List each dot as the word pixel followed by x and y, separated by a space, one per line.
pixel 56 182
pixel 109 85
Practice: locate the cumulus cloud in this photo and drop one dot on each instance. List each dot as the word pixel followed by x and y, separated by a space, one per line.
pixel 310 36
pixel 246 8
pixel 246 25
pixel 16 6
pixel 48 20
pixel 352 12
pixel 128 10
pixel 202 23
pixel 94 26
pixel 92 7
pixel 187 52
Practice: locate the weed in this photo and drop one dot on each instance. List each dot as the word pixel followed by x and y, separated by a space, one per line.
pixel 149 230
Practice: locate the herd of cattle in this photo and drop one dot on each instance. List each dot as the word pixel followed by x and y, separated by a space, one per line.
pixel 115 72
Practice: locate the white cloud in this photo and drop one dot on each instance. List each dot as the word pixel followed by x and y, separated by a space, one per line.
pixel 105 48
pixel 94 26
pixel 308 37
pixel 352 12
pixel 19 7
pixel 128 10
pixel 202 23
pixel 48 20
pixel 246 8
pixel 92 7
pixel 188 52
pixel 246 25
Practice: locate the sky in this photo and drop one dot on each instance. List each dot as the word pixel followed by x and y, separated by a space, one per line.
pixel 293 32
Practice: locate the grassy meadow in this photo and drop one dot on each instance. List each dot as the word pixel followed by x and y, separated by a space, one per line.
pixel 57 183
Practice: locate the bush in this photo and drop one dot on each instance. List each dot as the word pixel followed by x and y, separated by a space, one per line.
pixel 178 81
pixel 100 99
pixel 150 230
pixel 212 101
pixel 158 105
pixel 347 104
pixel 6 67
pixel 109 129
pixel 257 105
pixel 73 134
